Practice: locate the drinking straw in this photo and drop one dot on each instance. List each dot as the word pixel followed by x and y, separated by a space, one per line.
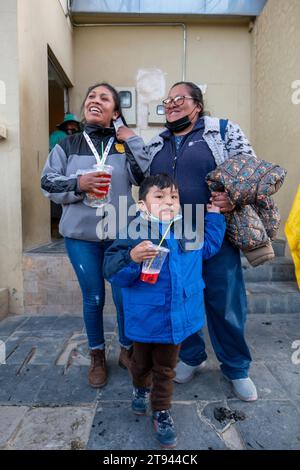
pixel 163 237
pixel 102 151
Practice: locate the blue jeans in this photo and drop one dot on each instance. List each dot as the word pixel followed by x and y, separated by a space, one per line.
pixel 226 309
pixel 87 260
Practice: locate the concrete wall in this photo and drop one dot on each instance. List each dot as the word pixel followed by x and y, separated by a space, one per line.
pixel 10 164
pixel 220 56
pixel 217 55
pixel 276 119
pixel 40 24
pixel 26 29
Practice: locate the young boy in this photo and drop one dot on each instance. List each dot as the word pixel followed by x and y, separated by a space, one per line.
pixel 158 317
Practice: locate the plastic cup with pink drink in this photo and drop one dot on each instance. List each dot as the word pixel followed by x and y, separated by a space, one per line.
pixel 94 200
pixel 152 267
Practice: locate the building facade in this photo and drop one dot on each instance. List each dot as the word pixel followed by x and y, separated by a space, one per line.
pixel 245 61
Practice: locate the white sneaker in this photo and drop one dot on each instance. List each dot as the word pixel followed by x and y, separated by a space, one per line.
pixel 244 389
pixel 185 373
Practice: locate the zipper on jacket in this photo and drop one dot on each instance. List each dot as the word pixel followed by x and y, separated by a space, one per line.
pixel 174 164
pixel 175 158
pixel 177 152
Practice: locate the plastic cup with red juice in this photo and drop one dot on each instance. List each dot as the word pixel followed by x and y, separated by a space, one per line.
pixel 93 200
pixel 152 267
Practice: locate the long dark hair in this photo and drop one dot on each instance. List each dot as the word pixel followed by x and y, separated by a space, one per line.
pixel 195 92
pixel 115 95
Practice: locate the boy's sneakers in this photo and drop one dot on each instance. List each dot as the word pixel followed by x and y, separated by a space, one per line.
pixel 185 373
pixel 164 429
pixel 244 389
pixel 140 400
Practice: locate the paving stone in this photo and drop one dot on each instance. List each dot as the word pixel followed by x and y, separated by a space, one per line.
pixel 206 385
pixel 65 324
pixel 26 385
pixel 268 341
pixel 208 411
pixel 288 375
pixel 288 325
pixel 38 324
pixel 291 328
pixel 10 417
pixel 270 425
pixel 119 386
pixel 19 347
pixel 10 324
pixel 8 383
pixel 116 427
pixel 54 325
pixel 71 388
pixel 42 351
pixel 267 385
pixel 37 384
pixel 54 429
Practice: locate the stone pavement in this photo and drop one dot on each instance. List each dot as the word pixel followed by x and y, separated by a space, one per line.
pixel 46 402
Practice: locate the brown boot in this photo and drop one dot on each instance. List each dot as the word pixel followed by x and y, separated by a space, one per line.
pixel 125 358
pixel 98 369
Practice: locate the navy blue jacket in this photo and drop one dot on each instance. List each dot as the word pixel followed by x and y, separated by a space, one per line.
pixel 173 308
pixel 188 165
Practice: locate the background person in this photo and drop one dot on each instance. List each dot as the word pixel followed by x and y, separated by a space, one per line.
pixel 69 126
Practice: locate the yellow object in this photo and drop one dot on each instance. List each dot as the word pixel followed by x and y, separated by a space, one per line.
pixel 292 231
pixel 120 148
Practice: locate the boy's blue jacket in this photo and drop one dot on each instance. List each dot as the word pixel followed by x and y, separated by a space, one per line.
pixel 173 308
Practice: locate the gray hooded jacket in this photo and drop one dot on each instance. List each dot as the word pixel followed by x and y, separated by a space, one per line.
pixel 59 181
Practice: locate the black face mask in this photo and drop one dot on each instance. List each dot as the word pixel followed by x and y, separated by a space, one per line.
pixel 179 124
pixel 72 131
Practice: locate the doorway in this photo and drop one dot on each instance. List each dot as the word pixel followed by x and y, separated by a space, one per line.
pixel 58 103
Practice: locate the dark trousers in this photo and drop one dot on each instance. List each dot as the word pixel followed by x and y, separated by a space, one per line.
pixel 154 364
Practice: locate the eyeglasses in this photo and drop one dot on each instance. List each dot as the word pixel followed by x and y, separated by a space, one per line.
pixel 177 101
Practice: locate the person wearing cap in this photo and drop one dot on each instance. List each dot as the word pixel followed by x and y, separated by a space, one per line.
pixel 69 126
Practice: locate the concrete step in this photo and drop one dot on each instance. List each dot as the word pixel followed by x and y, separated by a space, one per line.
pixel 51 286
pixel 279 247
pixel 273 297
pixel 4 296
pixel 279 269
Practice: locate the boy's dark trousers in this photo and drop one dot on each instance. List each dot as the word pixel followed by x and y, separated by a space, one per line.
pixel 154 364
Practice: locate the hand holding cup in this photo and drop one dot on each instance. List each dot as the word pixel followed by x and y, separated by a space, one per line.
pixel 142 251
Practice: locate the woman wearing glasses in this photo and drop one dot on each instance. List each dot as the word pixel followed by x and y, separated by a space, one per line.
pixel 192 146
